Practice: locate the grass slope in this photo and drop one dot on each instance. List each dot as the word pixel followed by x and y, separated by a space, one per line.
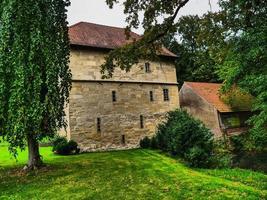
pixel 134 174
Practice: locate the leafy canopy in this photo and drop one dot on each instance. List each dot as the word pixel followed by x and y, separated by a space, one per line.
pixel 195 42
pixel 246 62
pixel 34 75
pixel 155 28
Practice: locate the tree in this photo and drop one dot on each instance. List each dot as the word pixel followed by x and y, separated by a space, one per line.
pixel 34 75
pixel 146 47
pixel 234 38
pixel 194 43
pixel 246 62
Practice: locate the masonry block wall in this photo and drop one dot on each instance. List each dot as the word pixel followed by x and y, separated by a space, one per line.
pixel 118 112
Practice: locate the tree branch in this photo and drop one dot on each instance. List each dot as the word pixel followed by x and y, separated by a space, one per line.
pixel 170 22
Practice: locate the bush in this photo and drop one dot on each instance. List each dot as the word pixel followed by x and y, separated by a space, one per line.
pixel 197 157
pixel 154 143
pixel 222 154
pixel 186 137
pixel 63 147
pixel 145 143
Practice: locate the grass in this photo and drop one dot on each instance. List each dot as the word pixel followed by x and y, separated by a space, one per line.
pixel 133 174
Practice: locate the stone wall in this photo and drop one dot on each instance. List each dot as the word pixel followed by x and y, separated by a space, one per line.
pixel 91 99
pixel 85 65
pixel 200 109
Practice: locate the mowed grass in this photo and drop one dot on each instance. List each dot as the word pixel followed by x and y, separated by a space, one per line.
pixel 133 174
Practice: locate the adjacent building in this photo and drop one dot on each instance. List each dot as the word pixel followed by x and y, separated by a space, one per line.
pixel 115 113
pixel 203 101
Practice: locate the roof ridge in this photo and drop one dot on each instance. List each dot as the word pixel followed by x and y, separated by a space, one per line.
pixel 76 24
pixel 104 36
pixel 103 25
pixel 202 82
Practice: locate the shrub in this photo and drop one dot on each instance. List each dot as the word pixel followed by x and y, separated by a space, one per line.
pixel 197 157
pixel 154 143
pixel 63 147
pixel 145 143
pixel 222 154
pixel 186 137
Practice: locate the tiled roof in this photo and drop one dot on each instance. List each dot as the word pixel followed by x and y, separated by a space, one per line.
pixel 100 36
pixel 210 92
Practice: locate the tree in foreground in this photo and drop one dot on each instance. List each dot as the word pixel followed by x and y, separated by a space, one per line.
pixel 35 79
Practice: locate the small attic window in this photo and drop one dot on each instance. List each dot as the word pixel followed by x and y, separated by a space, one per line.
pixel 147 67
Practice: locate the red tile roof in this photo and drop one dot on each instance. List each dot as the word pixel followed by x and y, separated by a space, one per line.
pixel 210 92
pixel 100 36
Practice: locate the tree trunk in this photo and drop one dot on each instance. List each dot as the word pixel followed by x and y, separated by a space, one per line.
pixel 34 157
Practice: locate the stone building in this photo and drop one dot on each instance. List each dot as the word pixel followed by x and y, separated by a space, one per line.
pixel 202 100
pixel 115 113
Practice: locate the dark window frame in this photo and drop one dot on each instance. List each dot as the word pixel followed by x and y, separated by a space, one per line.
pixel 98 124
pixel 151 95
pixel 123 139
pixel 147 67
pixel 142 121
pixel 166 96
pixel 114 96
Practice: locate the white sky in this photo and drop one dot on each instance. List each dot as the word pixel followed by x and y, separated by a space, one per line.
pixel 96 11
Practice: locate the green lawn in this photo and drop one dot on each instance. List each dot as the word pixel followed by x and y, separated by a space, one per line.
pixel 134 174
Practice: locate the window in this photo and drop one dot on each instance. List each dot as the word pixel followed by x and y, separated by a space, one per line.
pixel 141 121
pixel 123 139
pixel 234 119
pixel 98 125
pixel 151 96
pixel 147 67
pixel 166 95
pixel 114 98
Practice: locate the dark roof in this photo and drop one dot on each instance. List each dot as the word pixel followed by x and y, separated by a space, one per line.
pixel 211 93
pixel 101 36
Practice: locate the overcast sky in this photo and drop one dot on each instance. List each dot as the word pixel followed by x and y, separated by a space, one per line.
pixel 96 11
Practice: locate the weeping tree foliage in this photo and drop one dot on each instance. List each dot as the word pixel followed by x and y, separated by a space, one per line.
pixel 147 47
pixel 35 79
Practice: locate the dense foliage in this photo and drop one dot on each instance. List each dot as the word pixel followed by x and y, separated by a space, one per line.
pixel 246 61
pixel 185 137
pixel 228 46
pixel 34 75
pixel 64 147
pixel 196 39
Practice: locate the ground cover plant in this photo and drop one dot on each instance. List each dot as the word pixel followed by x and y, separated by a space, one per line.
pixel 133 174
